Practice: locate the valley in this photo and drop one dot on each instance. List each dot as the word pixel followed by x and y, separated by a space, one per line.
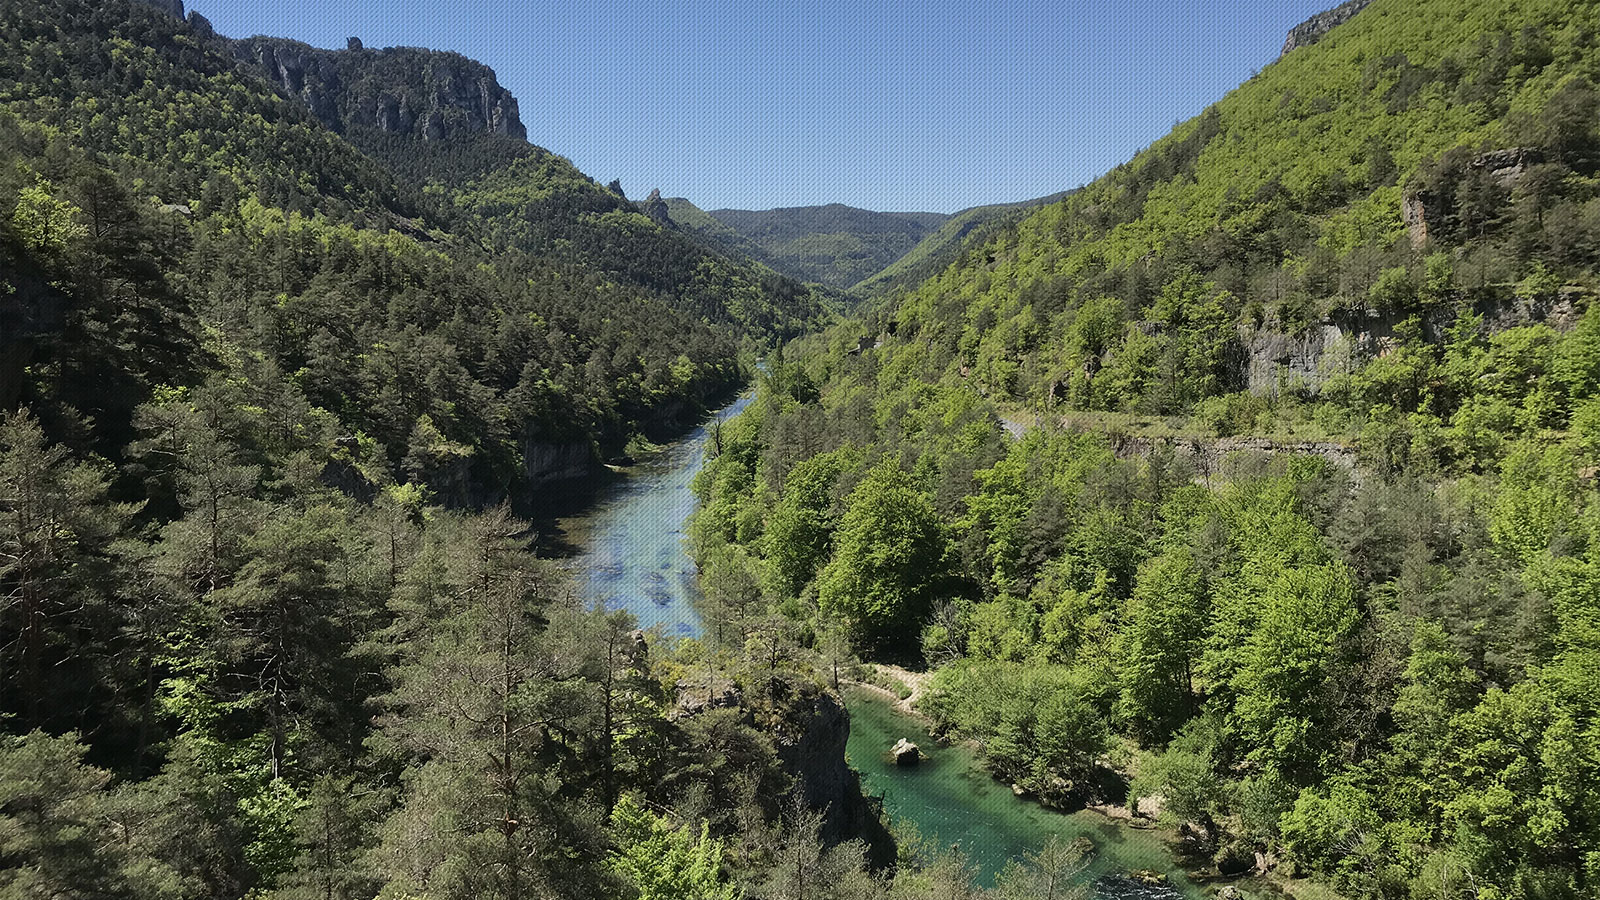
pixel 389 510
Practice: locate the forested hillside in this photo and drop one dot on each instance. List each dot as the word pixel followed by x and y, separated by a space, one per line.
pixel 863 252
pixel 267 624
pixel 1255 481
pixel 941 246
pixel 834 245
pixel 1362 647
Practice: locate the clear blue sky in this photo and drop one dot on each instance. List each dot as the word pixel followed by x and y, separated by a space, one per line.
pixel 934 106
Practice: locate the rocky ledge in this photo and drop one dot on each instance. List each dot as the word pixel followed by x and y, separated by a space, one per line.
pixel 1313 29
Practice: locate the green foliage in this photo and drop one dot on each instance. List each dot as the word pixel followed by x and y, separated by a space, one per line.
pixel 889 560
pixel 800 530
pixel 663 861
pixel 1039 724
pixel 833 245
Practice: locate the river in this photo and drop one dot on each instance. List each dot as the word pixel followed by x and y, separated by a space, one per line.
pixel 631 538
pixel 952 799
pixel 631 556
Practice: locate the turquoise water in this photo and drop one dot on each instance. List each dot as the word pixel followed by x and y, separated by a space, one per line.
pixel 632 537
pixel 632 557
pixel 952 800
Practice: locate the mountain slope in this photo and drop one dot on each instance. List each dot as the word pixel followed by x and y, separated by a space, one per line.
pixel 403 325
pixel 1286 201
pixel 1270 454
pixel 428 114
pixel 939 247
pixel 833 245
pixel 268 627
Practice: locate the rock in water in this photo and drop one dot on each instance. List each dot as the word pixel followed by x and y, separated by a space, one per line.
pixel 905 753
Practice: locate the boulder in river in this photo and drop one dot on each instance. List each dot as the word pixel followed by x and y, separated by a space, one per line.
pixel 905 753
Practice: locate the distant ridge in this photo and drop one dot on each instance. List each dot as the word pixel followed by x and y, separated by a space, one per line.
pixel 834 245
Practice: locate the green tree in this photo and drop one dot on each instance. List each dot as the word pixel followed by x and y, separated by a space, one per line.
pixel 57 562
pixel 800 528
pixel 663 861
pixel 54 838
pixel 1284 700
pixel 889 564
pixel 1159 648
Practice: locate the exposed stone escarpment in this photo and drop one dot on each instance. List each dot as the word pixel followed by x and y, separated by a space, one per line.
pixel 1313 29
pixel 1424 209
pixel 545 462
pixel 1209 456
pixel 433 95
pixel 811 746
pixel 656 209
pixel 1304 361
pixel 809 728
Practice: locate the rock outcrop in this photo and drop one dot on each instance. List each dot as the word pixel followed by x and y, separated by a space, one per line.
pixel 546 462
pixel 656 209
pixel 905 753
pixel 1313 29
pixel 1305 360
pixel 811 745
pixel 696 697
pixel 428 94
pixel 1209 456
pixel 201 26
pixel 1422 209
pixel 809 728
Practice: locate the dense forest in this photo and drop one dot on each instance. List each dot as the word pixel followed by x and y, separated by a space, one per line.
pixel 268 625
pixel 1255 481
pixel 1251 487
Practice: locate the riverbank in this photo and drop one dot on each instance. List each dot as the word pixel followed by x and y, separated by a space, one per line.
pixel 951 784
pixel 950 798
pixel 899 686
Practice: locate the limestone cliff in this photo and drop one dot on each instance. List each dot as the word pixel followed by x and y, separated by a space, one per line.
pixel 427 94
pixel 811 746
pixel 1304 360
pixel 656 208
pixel 809 727
pixel 1313 29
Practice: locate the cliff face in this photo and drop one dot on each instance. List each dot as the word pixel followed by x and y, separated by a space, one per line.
pixel 811 747
pixel 427 94
pixel 809 727
pixel 1339 344
pixel 1312 30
